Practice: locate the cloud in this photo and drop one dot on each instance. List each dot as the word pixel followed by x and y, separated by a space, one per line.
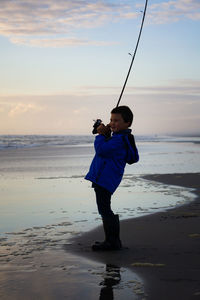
pixel 57 42
pixel 22 108
pixel 44 23
pixel 156 111
pixel 174 10
pixel 50 23
pixel 29 22
pixel 176 87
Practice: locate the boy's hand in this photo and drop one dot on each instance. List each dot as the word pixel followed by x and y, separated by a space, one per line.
pixel 104 130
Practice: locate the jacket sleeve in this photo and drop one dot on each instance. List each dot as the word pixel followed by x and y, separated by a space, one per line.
pixel 104 147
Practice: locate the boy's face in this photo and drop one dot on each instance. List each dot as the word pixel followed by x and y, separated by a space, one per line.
pixel 117 123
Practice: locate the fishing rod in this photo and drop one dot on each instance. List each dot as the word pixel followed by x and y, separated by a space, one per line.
pixel 98 121
pixel 133 58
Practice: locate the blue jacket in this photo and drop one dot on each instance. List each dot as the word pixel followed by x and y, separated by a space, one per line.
pixel 107 167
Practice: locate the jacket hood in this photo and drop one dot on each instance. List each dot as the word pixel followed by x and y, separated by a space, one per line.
pixel 131 149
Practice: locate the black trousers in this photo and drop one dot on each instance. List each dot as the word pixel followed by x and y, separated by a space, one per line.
pixel 103 199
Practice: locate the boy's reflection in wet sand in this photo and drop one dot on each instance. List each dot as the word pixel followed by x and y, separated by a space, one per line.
pixel 111 278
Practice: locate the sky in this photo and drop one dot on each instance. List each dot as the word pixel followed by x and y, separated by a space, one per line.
pixel 63 64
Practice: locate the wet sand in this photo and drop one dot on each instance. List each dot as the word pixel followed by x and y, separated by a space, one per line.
pixel 160 258
pixel 163 248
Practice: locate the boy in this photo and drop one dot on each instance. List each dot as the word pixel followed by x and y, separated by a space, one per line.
pixel 107 168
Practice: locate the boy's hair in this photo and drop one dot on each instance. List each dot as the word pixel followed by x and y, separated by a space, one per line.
pixel 125 112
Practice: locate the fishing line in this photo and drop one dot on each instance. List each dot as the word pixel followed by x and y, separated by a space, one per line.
pixel 144 13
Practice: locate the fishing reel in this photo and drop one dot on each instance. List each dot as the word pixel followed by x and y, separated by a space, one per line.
pixel 96 124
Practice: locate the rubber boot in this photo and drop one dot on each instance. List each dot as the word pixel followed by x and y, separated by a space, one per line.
pixel 105 244
pixel 112 240
pixel 105 233
pixel 114 237
pixel 117 232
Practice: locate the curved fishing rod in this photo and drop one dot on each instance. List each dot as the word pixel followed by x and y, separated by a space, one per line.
pixel 144 13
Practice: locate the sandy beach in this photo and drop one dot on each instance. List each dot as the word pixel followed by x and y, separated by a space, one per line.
pixel 164 248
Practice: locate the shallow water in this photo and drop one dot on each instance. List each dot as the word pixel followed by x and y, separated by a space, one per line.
pixel 40 202
pixel 42 179
pixel 60 275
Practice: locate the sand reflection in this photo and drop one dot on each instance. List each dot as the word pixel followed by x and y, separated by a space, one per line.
pixel 111 278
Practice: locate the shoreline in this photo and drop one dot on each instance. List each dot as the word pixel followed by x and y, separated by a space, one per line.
pixel 163 248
